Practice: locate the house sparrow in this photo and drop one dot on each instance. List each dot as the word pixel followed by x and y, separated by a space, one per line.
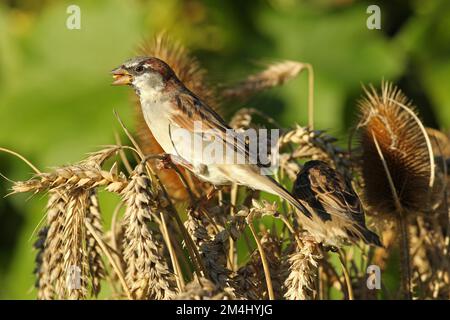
pixel 339 213
pixel 169 106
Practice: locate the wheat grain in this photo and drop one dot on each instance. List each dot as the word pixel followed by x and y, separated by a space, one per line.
pixel 72 177
pixel 212 249
pixel 96 265
pixel 51 268
pixel 204 289
pixel 303 266
pixel 73 280
pixel 274 75
pixel 147 274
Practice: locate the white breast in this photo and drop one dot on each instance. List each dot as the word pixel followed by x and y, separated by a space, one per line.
pixel 158 122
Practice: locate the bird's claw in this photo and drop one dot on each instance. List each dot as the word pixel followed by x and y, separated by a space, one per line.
pixel 165 162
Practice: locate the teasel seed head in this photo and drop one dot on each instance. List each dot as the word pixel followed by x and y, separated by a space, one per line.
pixel 389 128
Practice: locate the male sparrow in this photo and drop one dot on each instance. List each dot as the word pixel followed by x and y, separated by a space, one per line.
pixel 339 214
pixel 168 106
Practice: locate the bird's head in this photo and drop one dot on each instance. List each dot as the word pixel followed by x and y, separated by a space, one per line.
pixel 143 73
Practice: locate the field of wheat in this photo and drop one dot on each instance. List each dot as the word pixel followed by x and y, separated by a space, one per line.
pixel 168 240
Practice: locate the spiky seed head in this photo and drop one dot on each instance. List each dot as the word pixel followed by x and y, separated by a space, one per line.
pixel 386 118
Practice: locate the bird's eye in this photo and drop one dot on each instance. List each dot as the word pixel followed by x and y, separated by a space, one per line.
pixel 140 69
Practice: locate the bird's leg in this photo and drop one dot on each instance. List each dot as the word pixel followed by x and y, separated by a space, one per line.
pixel 211 193
pixel 330 248
pixel 164 161
pixel 167 161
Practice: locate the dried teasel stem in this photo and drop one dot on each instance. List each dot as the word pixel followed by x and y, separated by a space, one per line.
pixel 402 224
pixel 310 95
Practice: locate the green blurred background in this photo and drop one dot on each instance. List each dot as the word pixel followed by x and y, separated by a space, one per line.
pixel 56 101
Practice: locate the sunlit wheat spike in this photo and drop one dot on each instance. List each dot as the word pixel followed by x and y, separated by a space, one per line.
pixel 147 272
pixel 274 75
pixel 96 265
pixel 303 266
pixel 314 145
pixel 205 289
pixel 40 268
pixel 72 177
pixel 51 268
pixel 73 281
pixel 100 156
pixel 211 248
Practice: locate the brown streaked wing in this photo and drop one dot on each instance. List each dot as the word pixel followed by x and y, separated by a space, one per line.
pixel 335 194
pixel 191 109
pixel 304 191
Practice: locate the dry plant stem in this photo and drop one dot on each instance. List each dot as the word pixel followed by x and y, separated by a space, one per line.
pixel 173 257
pixel 320 282
pixel 36 170
pixel 348 281
pixel 111 260
pixel 114 224
pixel 231 265
pixel 310 95
pixel 404 242
pixel 123 157
pixel 291 229
pixel 405 256
pixel 263 260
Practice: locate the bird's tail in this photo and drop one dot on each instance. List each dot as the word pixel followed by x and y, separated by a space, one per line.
pixel 277 189
pixel 370 237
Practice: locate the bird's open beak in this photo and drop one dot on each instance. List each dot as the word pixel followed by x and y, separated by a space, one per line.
pixel 121 77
